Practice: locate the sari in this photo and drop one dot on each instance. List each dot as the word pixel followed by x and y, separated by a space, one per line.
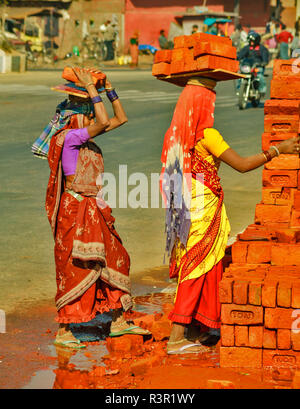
pixel 92 265
pixel 196 254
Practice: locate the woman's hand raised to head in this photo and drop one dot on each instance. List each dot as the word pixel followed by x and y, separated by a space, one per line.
pixel 85 77
pixel 290 146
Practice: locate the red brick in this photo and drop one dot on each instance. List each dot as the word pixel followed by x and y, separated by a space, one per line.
pixel 255 293
pixel 227 335
pixel 284 178
pixel 281 123
pixel 255 232
pixel 256 336
pixel 98 77
pixel 296 380
pixel 218 49
pixel 272 213
pixel 180 42
pixel 278 318
pixel 225 291
pixel 284 68
pixel 296 201
pixel 281 107
pixel 280 358
pixel 280 253
pixel 284 294
pixel 295 219
pixel 241 314
pixel 161 69
pixel 282 196
pixel 240 292
pixel 283 338
pixel 204 37
pixel 269 292
pixel 241 336
pixel 295 303
pixel 285 88
pixel 177 67
pixel 240 357
pixel 161 329
pixel 286 235
pixel 259 252
pixel 219 384
pixel 283 162
pixel 239 252
pixel 268 139
pixel 163 56
pixel 212 62
pixel 180 54
pixel 269 339
pixel 295 339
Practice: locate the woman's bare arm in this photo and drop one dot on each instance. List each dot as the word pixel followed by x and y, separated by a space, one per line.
pixel 246 164
pixel 102 120
pixel 119 117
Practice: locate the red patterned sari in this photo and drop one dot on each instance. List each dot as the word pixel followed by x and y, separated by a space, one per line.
pixel 92 265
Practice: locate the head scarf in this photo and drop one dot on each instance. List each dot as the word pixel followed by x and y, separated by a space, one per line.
pixel 62 117
pixel 193 113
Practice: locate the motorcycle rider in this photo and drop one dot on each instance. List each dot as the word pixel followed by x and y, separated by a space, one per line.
pixel 258 55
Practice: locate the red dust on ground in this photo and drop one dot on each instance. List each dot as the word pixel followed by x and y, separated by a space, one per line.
pixel 127 362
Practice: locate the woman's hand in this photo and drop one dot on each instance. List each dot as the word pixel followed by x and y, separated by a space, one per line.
pixel 108 85
pixel 85 77
pixel 291 145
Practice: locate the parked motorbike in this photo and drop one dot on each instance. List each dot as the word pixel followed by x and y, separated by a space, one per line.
pixel 249 86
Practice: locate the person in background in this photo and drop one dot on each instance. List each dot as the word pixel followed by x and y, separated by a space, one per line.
pixel 109 36
pixel 212 29
pixel 134 49
pixel 164 43
pixel 284 38
pixel 295 45
pixel 258 55
pixel 195 29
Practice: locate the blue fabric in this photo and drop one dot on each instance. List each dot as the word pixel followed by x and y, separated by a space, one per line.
pixel 64 111
pixel 95 330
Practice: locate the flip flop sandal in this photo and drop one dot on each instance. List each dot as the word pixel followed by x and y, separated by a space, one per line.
pixel 67 343
pixel 130 331
pixel 185 349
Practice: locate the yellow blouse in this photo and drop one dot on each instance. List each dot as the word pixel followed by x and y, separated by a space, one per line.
pixel 203 207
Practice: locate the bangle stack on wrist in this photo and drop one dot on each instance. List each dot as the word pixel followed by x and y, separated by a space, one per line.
pixel 276 149
pixel 111 94
pixel 267 156
pixel 90 83
pixel 96 99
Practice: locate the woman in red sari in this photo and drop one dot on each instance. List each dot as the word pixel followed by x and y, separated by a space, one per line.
pixel 196 222
pixel 92 266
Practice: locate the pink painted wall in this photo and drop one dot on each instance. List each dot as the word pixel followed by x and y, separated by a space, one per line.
pixel 150 16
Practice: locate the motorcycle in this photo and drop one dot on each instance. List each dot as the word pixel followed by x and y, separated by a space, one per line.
pixel 249 86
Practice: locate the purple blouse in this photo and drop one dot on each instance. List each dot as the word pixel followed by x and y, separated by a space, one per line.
pixel 73 140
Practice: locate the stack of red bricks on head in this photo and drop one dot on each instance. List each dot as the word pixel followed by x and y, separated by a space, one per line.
pixel 97 76
pixel 197 52
pixel 260 290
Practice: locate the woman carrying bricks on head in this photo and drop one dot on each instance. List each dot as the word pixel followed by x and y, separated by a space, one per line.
pixel 92 266
pixel 196 222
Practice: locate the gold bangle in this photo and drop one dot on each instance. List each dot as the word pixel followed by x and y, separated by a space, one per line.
pixel 90 83
pixel 109 89
pixel 266 159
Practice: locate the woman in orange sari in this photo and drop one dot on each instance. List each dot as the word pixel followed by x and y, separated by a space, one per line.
pixel 196 222
pixel 92 265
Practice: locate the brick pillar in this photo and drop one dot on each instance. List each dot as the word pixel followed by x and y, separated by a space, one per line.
pixel 260 290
